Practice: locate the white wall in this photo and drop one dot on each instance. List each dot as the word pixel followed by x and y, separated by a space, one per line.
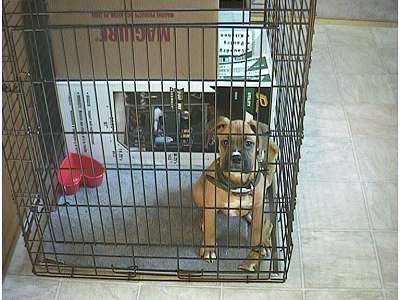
pixel 373 10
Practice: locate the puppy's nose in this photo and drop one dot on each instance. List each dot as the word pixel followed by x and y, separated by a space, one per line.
pixel 236 157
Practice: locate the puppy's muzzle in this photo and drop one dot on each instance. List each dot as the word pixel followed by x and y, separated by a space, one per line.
pixel 236 157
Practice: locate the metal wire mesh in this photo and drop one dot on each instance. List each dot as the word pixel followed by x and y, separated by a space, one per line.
pixel 114 91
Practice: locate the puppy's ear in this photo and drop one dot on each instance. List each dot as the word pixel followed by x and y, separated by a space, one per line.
pixel 262 127
pixel 221 124
pixel 263 139
pixel 272 150
pixel 217 125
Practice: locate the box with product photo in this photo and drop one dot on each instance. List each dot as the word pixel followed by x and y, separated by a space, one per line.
pixel 153 123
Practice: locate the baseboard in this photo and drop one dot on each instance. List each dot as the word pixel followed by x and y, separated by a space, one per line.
pixel 329 21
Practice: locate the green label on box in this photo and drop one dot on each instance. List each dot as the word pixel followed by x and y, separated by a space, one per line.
pixel 249 98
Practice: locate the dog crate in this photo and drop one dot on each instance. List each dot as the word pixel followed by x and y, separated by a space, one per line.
pixel 107 107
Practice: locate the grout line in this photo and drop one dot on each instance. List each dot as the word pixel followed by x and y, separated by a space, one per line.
pixel 200 284
pixel 319 229
pixel 350 181
pixel 57 296
pixel 357 165
pixel 139 290
pixel 221 291
pixel 301 258
pixel 382 135
pixel 333 289
pixel 274 287
pixel 300 249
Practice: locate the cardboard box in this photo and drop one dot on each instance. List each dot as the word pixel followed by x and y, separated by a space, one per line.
pixel 243 53
pixel 129 44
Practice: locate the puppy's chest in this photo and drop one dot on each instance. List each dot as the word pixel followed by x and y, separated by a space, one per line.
pixel 236 205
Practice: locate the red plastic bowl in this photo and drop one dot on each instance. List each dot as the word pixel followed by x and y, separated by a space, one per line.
pixel 76 169
pixel 70 174
pixel 92 172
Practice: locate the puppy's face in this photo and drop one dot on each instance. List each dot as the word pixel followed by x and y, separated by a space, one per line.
pixel 237 145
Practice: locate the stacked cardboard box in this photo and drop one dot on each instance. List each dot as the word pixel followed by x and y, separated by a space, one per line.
pixel 138 89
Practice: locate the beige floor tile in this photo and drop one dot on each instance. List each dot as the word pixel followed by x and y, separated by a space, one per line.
pixel 389 59
pixel 321 60
pixel 355 60
pixel 331 205
pixel 327 159
pixel 259 294
pixel 168 292
pixel 339 260
pixel 385 37
pixel 377 158
pixel 393 82
pixel 344 295
pixel 366 88
pixel 382 204
pixel 29 287
pixel 296 226
pixel 343 35
pixel 386 243
pixel 386 40
pixel 320 39
pixel 372 119
pixel 391 294
pixel 20 263
pixel 325 120
pixel 322 88
pixel 94 290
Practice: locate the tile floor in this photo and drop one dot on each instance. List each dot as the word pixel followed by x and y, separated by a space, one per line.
pixel 346 237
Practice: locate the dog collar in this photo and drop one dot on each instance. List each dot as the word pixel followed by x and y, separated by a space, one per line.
pixel 224 183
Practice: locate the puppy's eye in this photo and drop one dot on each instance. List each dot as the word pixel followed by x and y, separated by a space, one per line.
pixel 225 142
pixel 249 143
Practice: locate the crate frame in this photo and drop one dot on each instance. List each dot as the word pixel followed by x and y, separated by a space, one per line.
pixel 33 141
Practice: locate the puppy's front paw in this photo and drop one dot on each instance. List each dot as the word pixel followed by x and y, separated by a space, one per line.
pixel 264 248
pixel 208 254
pixel 248 218
pixel 251 263
pixel 263 251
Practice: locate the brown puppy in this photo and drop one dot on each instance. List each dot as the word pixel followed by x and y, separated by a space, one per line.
pixel 238 167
